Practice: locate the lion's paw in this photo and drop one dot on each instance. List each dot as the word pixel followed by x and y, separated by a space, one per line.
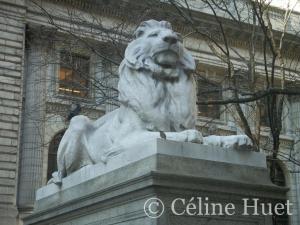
pixel 192 136
pixel 232 141
pixel 237 141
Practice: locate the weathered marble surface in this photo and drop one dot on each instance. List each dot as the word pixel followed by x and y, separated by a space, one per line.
pixel 158 99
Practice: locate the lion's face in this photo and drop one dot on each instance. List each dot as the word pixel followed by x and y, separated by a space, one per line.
pixel 158 48
pixel 153 79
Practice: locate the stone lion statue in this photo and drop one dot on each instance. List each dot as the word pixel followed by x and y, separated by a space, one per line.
pixel 157 97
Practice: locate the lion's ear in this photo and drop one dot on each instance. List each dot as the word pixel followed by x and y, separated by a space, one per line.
pixel 187 61
pixel 133 54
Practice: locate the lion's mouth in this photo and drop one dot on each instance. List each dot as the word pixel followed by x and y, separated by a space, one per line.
pixel 166 59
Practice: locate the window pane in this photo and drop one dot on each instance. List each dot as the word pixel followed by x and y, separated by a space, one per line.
pixel 264 118
pixel 74 75
pixel 208 91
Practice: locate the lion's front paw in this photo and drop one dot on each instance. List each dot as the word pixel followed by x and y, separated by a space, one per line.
pixel 232 141
pixel 56 178
pixel 193 136
pixel 243 141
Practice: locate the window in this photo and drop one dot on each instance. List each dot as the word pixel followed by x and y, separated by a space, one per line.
pixel 73 75
pixel 264 118
pixel 52 154
pixel 207 91
pixel 278 178
pixel 209 88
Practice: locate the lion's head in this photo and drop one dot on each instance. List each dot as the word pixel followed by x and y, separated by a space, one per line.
pixel 158 48
pixel 154 79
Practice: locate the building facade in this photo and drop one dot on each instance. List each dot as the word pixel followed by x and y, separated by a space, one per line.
pixel 59 58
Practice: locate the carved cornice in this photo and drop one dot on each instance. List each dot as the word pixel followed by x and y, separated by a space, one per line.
pixel 143 10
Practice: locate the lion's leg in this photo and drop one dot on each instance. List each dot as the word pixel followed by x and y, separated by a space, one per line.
pixel 184 136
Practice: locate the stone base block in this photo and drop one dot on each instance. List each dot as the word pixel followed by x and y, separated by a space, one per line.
pixel 176 173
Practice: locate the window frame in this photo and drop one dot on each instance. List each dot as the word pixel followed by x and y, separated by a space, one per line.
pixel 58 81
pixel 55 70
pixel 214 80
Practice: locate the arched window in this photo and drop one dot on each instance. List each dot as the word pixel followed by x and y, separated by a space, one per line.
pixel 52 153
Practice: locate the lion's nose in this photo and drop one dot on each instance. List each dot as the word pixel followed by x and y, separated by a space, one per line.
pixel 170 39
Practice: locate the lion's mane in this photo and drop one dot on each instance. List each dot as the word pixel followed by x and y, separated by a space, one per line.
pixel 163 98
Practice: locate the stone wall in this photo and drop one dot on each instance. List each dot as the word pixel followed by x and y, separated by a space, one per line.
pixel 12 26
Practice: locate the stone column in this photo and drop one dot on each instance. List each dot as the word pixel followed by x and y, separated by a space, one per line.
pixel 295 113
pixel 296 185
pixel 12 34
pixel 297 194
pixel 230 113
pixel 294 194
pixel 30 175
pixel 287 113
pixel 106 77
pixel 294 116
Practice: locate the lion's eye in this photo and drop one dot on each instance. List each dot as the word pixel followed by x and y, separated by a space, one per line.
pixel 153 35
pixel 139 33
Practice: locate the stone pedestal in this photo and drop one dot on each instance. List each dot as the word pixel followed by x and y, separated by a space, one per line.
pixel 116 193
